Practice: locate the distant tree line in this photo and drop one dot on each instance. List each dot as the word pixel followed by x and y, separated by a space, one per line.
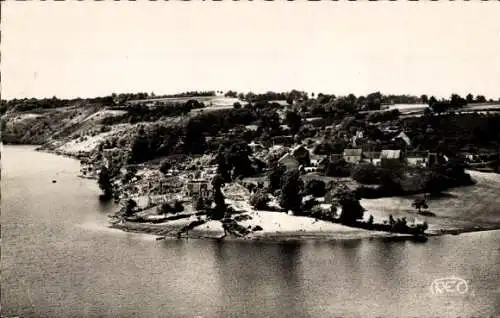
pixel 139 113
pixel 122 98
pixel 27 104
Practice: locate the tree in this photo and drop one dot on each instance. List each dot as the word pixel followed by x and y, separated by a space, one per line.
pixel 351 208
pixel 366 173
pixel 198 203
pixel 238 159
pixel 370 219
pixel 294 121
pixel 419 204
pixel 480 99
pixel 178 207
pixel 105 184
pixel 237 105
pixel 469 98
pixel 220 205
pixel 457 101
pixel 165 166
pixel 275 176
pixel 373 101
pixel 291 185
pixel 427 112
pixel 424 99
pixel 223 168
pixel 259 200
pixel 232 94
pixel 129 207
pixel 315 187
pixel 337 167
pixel 392 222
pixel 166 207
pixel 131 172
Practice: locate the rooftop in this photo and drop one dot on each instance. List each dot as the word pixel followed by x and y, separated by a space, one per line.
pixel 352 152
pixel 390 154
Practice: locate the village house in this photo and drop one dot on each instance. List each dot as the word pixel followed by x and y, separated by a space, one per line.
pixel 255 146
pixel 252 127
pixel 417 159
pixel 199 188
pixel 317 160
pixel 209 172
pixel 355 139
pixel 314 121
pixel 296 157
pixel 352 155
pixel 289 162
pixel 302 154
pixel 387 156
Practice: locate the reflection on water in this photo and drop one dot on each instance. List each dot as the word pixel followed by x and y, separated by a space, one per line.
pixel 60 260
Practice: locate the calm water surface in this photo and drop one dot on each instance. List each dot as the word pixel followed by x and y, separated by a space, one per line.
pixel 60 260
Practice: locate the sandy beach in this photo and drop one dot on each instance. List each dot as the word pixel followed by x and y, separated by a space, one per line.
pixel 460 210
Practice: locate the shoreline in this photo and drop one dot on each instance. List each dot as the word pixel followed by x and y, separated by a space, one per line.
pixel 168 230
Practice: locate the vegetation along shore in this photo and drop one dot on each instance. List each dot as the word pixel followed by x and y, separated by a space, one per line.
pixel 278 166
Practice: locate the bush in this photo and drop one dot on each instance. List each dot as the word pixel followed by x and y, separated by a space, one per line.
pixel 178 207
pixel 259 200
pixel 165 166
pixel 337 168
pixel 166 207
pixel 316 188
pixel 199 203
pixel 129 207
pixel 366 173
pixel 257 228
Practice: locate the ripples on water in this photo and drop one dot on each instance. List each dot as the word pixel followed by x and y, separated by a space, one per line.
pixel 60 260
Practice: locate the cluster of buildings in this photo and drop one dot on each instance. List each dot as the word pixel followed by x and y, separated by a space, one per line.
pixel 296 158
pixel 411 158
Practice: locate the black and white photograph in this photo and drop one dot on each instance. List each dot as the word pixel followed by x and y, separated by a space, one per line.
pixel 212 159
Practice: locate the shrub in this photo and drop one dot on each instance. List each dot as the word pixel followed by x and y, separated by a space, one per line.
pixel 366 173
pixel 166 207
pixel 316 188
pixel 165 166
pixel 257 228
pixel 178 207
pixel 199 203
pixel 337 168
pixel 129 207
pixel 259 200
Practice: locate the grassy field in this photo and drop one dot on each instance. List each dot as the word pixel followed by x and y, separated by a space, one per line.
pixel 464 208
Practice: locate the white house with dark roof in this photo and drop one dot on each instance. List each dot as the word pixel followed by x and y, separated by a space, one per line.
pixel 252 127
pixel 352 155
pixel 289 161
pixel 255 146
pixel 388 155
pixel 417 159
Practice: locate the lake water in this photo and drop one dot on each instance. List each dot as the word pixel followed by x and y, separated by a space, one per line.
pixel 60 260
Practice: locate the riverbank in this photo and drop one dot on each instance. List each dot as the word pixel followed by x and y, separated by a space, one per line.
pixel 297 228
pixel 460 210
